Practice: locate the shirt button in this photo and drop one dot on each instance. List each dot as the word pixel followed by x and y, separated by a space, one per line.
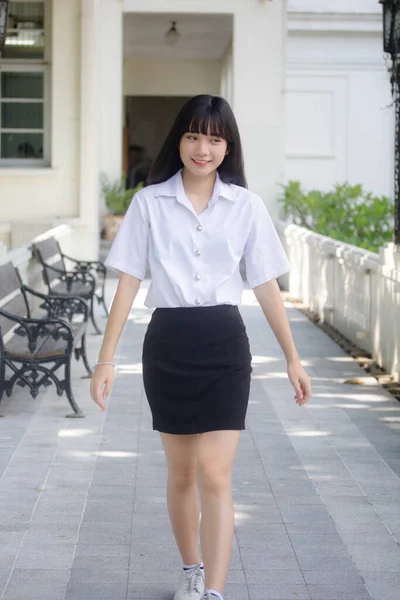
pixel 199 228
pixel 197 278
pixel 197 301
pixel 198 253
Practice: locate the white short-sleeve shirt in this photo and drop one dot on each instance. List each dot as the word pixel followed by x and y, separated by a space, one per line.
pixel 194 259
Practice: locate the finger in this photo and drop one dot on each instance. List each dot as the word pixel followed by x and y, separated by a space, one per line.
pixel 306 385
pixel 107 389
pixel 99 401
pixel 298 390
pixel 307 388
pixel 98 397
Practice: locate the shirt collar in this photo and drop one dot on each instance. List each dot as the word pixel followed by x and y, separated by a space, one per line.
pixel 174 187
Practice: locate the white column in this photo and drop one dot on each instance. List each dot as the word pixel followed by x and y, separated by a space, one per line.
pixel 227 75
pixel 89 132
pixel 259 70
pixel 101 112
pixel 110 88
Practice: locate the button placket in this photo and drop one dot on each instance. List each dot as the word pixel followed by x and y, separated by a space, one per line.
pixel 198 253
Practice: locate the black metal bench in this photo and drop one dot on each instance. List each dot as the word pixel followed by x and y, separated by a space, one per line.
pixel 86 280
pixel 33 349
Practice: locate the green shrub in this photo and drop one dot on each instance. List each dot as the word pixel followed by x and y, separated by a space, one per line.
pixel 116 197
pixel 347 213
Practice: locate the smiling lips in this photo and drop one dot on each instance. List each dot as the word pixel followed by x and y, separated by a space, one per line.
pixel 201 163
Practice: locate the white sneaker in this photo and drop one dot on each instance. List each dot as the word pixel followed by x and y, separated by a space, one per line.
pixel 191 585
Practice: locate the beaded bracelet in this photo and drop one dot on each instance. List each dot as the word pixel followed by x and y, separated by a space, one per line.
pixel 102 363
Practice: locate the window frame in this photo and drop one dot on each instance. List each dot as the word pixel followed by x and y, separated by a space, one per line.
pixel 35 65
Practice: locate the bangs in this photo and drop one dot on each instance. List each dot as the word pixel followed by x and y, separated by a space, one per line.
pixel 208 124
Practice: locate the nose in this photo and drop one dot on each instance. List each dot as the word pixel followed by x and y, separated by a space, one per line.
pixel 201 149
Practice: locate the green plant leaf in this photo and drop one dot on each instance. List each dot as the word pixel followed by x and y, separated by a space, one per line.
pixel 347 213
pixel 115 194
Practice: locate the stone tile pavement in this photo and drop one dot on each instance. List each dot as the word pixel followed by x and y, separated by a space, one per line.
pixel 316 488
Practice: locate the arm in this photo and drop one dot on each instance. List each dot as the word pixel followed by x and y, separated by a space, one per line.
pixel 270 299
pixel 103 376
pixel 129 255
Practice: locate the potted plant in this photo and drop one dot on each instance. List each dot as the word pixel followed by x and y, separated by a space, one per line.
pixel 117 199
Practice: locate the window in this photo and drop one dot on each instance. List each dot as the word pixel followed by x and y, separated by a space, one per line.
pixel 24 97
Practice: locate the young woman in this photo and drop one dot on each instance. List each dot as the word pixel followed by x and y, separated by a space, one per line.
pixel 191 226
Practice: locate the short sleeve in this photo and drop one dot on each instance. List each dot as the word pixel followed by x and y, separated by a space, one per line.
pixel 264 255
pixel 129 251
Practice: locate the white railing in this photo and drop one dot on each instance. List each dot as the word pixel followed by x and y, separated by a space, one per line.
pixel 354 290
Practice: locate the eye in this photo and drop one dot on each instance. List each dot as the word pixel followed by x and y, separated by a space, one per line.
pixel 191 137
pixel 215 140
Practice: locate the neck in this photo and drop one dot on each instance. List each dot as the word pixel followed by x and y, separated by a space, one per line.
pixel 198 186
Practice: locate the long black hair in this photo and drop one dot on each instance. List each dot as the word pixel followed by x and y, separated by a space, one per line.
pixel 208 115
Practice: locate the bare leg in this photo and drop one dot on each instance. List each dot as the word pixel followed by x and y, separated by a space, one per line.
pixel 182 493
pixel 215 456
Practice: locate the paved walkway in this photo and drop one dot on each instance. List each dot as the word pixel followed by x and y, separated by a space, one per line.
pixel 317 492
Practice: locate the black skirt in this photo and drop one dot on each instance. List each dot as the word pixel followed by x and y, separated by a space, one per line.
pixel 196 369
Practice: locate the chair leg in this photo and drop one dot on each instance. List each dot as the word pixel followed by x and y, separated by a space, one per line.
pixel 98 331
pixel 103 300
pixel 2 378
pixel 84 355
pixel 77 414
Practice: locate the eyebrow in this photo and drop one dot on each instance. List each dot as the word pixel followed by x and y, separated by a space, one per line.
pixel 206 134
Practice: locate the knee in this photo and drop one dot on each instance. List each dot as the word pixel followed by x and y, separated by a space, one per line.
pixel 214 480
pixel 182 478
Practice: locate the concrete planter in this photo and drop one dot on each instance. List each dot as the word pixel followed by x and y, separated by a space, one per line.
pixel 111 224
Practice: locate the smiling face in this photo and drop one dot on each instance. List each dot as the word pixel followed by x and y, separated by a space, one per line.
pixel 202 154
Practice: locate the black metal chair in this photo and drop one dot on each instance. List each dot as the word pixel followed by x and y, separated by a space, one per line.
pixel 86 280
pixel 33 349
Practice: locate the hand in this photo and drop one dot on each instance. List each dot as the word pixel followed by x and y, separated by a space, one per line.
pixel 101 384
pixel 300 381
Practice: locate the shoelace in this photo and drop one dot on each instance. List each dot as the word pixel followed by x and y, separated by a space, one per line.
pixel 194 579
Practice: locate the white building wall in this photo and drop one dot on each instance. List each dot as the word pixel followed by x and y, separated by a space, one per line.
pixel 339 120
pixel 370 131
pixel 152 77
pixel 47 194
pixel 335 6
